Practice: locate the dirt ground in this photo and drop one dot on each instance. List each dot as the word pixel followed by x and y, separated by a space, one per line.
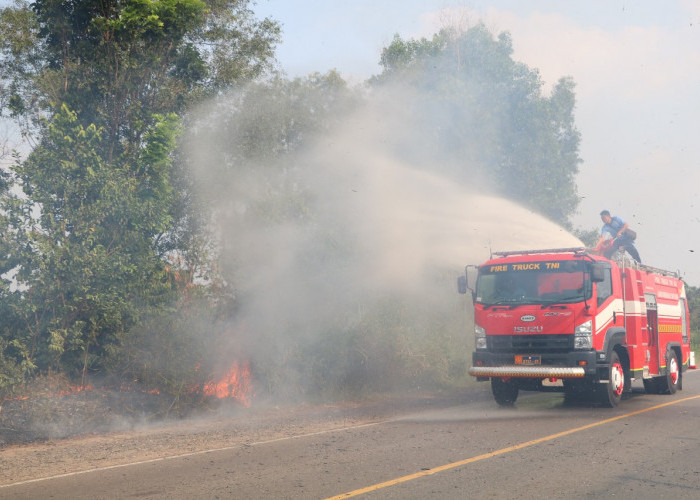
pixel 44 437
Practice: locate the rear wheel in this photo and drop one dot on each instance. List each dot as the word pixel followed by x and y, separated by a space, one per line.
pixel 505 391
pixel 671 382
pixel 610 394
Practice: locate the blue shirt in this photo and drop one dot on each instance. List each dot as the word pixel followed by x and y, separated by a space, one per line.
pixel 614 227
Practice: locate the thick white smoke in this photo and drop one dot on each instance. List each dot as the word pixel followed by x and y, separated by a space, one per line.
pixel 373 216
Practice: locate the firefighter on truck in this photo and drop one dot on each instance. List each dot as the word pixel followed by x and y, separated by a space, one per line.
pixel 569 320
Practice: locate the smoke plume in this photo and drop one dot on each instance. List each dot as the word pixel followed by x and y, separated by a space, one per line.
pixel 312 241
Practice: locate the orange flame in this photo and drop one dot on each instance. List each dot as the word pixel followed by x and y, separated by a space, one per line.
pixel 73 390
pixel 234 384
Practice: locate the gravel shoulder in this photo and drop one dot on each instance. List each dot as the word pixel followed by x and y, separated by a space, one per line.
pixel 226 426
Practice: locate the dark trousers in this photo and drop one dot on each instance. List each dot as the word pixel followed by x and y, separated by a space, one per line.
pixel 627 244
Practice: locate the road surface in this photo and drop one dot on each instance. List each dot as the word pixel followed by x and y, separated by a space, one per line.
pixel 648 447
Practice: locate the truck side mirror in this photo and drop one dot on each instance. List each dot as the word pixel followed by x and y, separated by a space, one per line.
pixel 462 284
pixel 463 281
pixel 597 273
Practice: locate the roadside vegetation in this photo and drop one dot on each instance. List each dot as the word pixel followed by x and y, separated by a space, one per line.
pixel 693 293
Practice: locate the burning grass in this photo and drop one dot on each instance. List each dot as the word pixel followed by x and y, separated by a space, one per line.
pixel 234 384
pixel 50 408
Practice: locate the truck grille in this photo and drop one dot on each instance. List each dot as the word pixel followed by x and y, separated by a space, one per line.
pixel 530 343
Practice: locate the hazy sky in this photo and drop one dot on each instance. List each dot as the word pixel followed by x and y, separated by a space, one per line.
pixel 636 64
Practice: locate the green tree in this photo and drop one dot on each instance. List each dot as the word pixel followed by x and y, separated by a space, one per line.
pixel 488 110
pixel 20 59
pixel 103 89
pixel 120 64
pixel 14 362
pixel 117 63
pixel 88 268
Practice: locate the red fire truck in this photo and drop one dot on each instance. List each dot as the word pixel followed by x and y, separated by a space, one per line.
pixel 569 320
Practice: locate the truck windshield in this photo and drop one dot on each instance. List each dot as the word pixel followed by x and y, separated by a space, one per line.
pixel 546 282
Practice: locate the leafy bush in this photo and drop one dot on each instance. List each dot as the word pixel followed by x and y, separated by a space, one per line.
pixel 12 372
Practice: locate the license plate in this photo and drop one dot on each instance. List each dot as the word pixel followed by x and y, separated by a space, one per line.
pixel 528 359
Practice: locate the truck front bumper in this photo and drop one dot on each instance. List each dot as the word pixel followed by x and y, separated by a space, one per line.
pixel 527 371
pixel 568 365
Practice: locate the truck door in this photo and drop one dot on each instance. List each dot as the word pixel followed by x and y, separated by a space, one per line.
pixel 653 333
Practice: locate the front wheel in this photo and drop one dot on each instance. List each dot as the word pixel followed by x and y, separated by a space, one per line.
pixel 505 391
pixel 610 394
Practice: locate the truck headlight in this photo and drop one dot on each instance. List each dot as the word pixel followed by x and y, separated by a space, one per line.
pixel 480 337
pixel 583 335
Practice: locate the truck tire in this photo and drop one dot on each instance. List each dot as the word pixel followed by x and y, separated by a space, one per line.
pixel 671 381
pixel 610 394
pixel 505 392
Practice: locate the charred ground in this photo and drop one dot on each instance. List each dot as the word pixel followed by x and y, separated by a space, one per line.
pixel 101 411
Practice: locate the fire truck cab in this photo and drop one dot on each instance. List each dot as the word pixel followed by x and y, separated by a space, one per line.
pixel 569 320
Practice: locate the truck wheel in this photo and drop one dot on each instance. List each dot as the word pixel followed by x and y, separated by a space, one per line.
pixel 505 392
pixel 671 382
pixel 611 394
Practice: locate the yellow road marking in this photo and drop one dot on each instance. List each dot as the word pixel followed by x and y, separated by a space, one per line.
pixel 491 454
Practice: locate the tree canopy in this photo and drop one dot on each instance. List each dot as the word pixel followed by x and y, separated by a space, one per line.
pixel 103 88
pixel 490 113
pixel 117 63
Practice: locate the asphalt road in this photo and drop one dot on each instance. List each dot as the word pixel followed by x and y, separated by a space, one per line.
pixel 648 447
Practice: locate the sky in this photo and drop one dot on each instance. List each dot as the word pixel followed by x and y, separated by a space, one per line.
pixel 636 65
